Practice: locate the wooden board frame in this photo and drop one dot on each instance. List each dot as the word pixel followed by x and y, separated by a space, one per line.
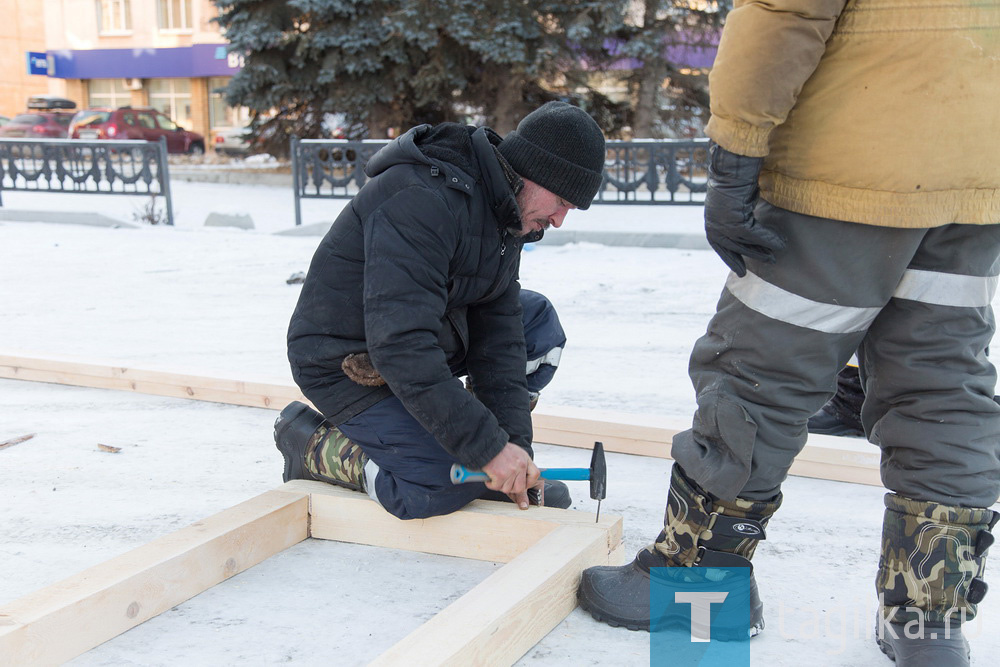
pixel 824 457
pixel 497 622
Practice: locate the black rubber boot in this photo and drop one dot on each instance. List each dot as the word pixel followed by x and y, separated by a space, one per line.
pixel 315 449
pixel 937 648
pixel 842 414
pixel 706 545
pixel 620 596
pixel 827 423
pixel 293 428
pixel 556 495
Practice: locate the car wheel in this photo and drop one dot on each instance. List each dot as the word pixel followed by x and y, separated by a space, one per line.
pixel 196 149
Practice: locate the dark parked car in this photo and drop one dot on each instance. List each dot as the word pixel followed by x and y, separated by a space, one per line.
pixel 135 123
pixel 38 125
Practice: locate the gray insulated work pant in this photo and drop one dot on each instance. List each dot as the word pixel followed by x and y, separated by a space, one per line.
pixel 915 304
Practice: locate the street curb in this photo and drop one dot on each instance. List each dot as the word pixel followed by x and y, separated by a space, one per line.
pixel 64 217
pixel 628 239
pixel 564 237
pixel 231 177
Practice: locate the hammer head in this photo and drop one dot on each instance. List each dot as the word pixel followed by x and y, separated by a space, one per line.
pixel 598 473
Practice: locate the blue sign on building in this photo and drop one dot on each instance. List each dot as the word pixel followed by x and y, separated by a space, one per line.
pixel 38 63
pixel 198 60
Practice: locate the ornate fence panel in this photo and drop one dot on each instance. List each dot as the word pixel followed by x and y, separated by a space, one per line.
pixel 329 168
pixel 655 172
pixel 86 167
pixel 635 172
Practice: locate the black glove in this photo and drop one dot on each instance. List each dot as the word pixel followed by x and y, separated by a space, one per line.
pixel 731 229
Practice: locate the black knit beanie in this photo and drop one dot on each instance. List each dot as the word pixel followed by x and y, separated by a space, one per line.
pixel 560 147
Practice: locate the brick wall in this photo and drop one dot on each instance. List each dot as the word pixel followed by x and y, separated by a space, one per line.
pixel 21 30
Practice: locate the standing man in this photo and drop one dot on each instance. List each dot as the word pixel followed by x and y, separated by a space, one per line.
pixel 415 285
pixel 870 129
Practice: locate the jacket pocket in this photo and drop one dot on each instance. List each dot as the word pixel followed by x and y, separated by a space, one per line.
pixel 454 336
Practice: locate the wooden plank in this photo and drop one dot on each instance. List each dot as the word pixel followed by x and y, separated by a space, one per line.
pixel 61 621
pixel 107 369
pixel 499 620
pixel 607 424
pixel 621 445
pixel 265 396
pixel 483 530
pixel 824 457
pixel 836 473
pixel 17 441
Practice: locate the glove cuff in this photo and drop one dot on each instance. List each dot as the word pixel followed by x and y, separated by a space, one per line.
pixel 726 166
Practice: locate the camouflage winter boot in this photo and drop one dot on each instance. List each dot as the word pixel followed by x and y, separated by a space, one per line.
pixel 930 579
pixel 713 539
pixel 314 449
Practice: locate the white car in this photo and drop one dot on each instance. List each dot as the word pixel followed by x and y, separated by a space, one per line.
pixel 231 140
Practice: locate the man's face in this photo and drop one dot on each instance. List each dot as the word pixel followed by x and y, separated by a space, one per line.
pixel 540 208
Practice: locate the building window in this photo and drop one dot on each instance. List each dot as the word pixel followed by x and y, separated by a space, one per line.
pixel 114 16
pixel 221 114
pixel 175 14
pixel 172 97
pixel 108 93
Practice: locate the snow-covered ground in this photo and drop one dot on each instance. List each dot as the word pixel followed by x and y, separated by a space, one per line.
pixel 214 301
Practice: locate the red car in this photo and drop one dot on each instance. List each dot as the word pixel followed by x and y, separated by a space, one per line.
pixel 135 123
pixel 38 125
pixel 47 117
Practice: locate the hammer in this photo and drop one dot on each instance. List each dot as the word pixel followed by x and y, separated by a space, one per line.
pixel 597 474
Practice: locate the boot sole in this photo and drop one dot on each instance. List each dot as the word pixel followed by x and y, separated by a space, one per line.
pixel 613 621
pixel 720 634
pixel 681 622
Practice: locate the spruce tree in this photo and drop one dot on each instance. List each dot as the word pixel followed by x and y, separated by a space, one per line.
pixel 391 64
pixel 670 98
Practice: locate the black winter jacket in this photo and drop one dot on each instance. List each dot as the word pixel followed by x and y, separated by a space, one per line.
pixel 420 271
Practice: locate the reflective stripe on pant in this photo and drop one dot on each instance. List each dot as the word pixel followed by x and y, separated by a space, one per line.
pixel 780 335
pixel 413 479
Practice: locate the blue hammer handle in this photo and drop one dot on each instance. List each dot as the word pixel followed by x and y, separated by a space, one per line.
pixel 460 474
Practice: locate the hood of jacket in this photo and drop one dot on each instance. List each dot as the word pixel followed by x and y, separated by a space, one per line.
pixel 461 152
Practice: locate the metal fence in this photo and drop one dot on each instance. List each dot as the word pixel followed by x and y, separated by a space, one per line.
pixel 657 171
pixel 86 167
pixel 636 172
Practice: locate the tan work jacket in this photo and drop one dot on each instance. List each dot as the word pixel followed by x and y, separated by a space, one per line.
pixel 884 112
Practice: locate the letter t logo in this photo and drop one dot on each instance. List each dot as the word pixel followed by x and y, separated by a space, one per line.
pixel 701 607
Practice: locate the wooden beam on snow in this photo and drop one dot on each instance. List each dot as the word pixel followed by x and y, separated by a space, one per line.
pixel 499 620
pixel 59 622
pixel 146 381
pixel 496 622
pixel 824 457
pixel 483 530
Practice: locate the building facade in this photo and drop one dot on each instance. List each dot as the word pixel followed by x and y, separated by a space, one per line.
pixel 21 32
pixel 166 54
